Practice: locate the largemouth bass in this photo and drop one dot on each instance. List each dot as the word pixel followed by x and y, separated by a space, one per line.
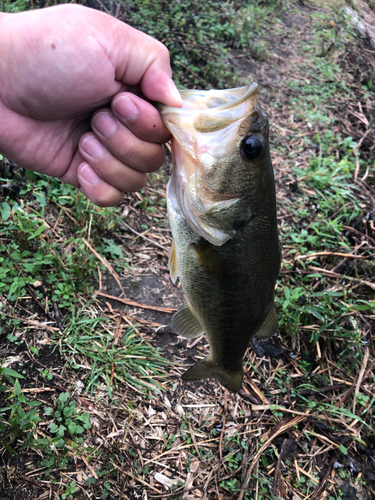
pixel 222 212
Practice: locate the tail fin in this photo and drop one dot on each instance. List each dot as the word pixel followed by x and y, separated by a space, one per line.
pixel 231 379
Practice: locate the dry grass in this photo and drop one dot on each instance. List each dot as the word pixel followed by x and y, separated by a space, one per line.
pixel 301 428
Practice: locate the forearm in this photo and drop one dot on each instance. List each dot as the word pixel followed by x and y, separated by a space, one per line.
pixel 3 14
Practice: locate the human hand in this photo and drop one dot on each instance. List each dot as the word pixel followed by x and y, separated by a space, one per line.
pixel 60 69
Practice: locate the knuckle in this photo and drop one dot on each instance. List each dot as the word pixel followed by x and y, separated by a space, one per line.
pixel 161 52
pixel 158 160
pixel 129 153
pixel 108 199
pixel 138 183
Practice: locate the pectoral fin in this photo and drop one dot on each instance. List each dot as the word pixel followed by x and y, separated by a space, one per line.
pixel 231 379
pixel 210 261
pixel 172 263
pixel 185 323
pixel 269 325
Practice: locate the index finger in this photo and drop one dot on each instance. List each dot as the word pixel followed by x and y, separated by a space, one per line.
pixel 140 117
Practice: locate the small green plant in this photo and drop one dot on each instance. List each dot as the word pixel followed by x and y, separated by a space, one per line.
pixel 68 422
pixel 70 489
pixel 18 420
pixel 47 374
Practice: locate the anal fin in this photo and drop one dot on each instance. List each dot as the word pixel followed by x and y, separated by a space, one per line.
pixel 269 325
pixel 230 379
pixel 185 323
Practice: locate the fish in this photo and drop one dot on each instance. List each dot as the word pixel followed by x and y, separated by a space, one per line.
pixel 222 211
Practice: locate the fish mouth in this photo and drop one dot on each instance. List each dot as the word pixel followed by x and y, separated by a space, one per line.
pixel 212 110
pixel 206 130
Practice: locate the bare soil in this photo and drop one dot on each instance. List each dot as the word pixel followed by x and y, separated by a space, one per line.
pixel 185 437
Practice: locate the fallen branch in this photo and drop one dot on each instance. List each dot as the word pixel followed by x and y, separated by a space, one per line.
pixel 333 254
pixel 337 275
pixel 129 302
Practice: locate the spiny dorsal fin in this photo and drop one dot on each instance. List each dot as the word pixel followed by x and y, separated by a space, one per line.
pixel 210 261
pixel 185 323
pixel 231 379
pixel 172 263
pixel 269 325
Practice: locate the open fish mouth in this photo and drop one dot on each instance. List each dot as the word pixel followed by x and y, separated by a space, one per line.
pixel 210 110
pixel 206 130
pixel 222 107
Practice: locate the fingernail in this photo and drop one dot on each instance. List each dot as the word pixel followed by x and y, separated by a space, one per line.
pixel 126 108
pixel 89 174
pixel 175 92
pixel 93 147
pixel 105 124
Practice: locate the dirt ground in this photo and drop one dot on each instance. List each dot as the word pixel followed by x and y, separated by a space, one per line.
pixel 196 440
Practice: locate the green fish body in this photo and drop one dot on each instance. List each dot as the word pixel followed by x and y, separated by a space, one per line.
pixel 222 212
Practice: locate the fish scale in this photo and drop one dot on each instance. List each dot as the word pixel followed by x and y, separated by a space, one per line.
pixel 222 212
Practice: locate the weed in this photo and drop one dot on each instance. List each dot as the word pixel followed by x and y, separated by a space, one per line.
pixel 70 489
pixel 17 421
pixel 67 421
pixel 136 363
pixel 201 36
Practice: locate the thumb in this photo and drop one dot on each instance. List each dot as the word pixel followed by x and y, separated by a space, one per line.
pixel 142 61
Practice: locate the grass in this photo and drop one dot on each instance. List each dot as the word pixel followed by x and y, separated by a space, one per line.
pixel 204 37
pixel 110 402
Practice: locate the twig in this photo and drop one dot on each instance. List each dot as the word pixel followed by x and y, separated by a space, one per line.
pixel 273 124
pixel 180 490
pixel 311 392
pixel 254 461
pixel 194 440
pixel 324 479
pixel 118 330
pixel 276 488
pixel 105 263
pixel 356 148
pixel 223 429
pixel 32 322
pixel 367 237
pixel 360 377
pixel 41 484
pixel 261 396
pixel 249 397
pixel 144 237
pixel 129 302
pixel 337 275
pixel 336 254
pixel 31 291
pixel 133 476
pixel 89 467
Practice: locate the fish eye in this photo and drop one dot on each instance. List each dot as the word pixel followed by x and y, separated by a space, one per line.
pixel 251 147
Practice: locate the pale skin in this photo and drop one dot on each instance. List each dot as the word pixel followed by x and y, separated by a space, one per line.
pixel 74 90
